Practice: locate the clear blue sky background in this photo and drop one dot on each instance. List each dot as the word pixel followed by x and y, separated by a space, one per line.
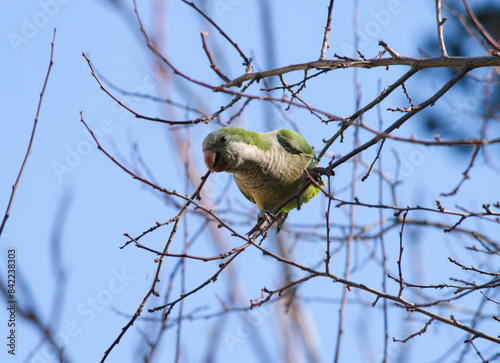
pixel 103 203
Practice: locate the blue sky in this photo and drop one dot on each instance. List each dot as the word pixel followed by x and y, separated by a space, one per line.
pixel 100 202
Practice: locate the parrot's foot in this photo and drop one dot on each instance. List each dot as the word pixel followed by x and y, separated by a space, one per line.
pixel 264 215
pixel 265 218
pixel 318 171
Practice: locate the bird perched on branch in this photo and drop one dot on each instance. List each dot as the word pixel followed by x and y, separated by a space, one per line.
pixel 267 167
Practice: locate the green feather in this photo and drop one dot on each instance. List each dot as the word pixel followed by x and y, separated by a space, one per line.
pixel 293 142
pixel 248 137
pixel 267 167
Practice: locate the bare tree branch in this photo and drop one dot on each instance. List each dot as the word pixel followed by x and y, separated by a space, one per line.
pixel 327 31
pixel 440 22
pixel 28 152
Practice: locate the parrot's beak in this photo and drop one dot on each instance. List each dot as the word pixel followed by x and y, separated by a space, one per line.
pixel 214 161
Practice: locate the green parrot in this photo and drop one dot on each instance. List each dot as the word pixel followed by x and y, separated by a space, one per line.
pixel 267 167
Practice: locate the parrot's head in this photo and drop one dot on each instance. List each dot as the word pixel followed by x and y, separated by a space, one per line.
pixel 228 148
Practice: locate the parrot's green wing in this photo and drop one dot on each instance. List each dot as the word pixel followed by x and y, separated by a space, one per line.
pixel 294 143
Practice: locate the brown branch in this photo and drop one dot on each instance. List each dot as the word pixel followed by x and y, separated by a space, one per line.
pixel 392 52
pixel 398 60
pixel 480 28
pixel 270 293
pixel 409 306
pixel 32 138
pixel 295 95
pixel 213 278
pixel 402 302
pixel 430 101
pixel 489 299
pixel 152 290
pixel 374 160
pixel 407 95
pixel 472 268
pixel 240 111
pixel 350 120
pixel 327 31
pixel 420 332
pixel 471 342
pixel 401 248
pixel 300 83
pixel 465 173
pixel 246 60
pixel 211 58
pixel 437 142
pixel 164 59
pixel 150 97
pixel 399 210
pixel 205 119
pixel 189 201
pixel 327 214
pixel 185 255
pixel 440 23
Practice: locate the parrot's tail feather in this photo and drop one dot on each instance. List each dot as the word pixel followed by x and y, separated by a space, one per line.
pixel 281 221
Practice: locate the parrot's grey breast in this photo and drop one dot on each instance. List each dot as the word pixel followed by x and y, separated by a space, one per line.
pixel 269 177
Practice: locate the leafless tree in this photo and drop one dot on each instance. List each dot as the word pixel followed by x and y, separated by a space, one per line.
pixel 375 245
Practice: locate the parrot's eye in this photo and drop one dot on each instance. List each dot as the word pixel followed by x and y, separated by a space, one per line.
pixel 222 139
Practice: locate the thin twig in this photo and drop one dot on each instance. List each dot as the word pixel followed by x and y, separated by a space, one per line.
pixel 327 31
pixel 471 342
pixel 420 332
pixel 247 61
pixel 350 120
pixel 327 214
pixel 465 173
pixel 32 138
pixel 211 58
pixel 400 259
pixel 440 22
pixel 205 119
pixel 472 268
pixel 490 299
pixel 371 165
pixel 430 101
pixel 353 187
pixel 189 201
pixel 403 302
pixel 480 28
pixel 437 142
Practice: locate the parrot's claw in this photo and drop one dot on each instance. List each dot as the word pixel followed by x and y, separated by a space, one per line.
pixel 318 171
pixel 265 218
pixel 264 215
